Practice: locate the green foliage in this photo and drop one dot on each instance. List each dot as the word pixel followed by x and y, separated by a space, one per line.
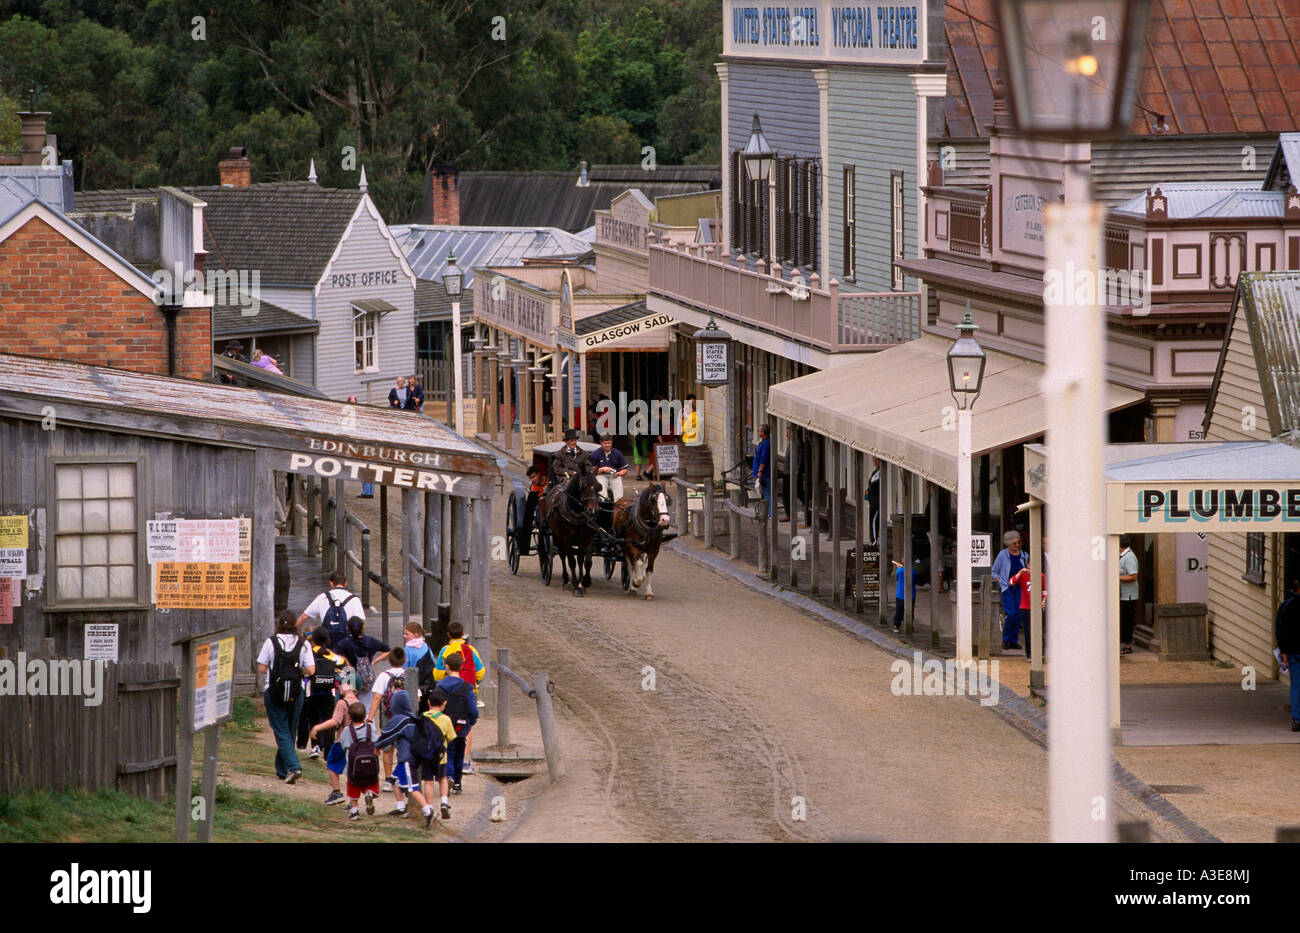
pixel 137 99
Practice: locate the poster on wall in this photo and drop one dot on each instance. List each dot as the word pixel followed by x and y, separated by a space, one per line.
pixel 189 585
pixel 214 670
pixel 13 531
pixel 100 641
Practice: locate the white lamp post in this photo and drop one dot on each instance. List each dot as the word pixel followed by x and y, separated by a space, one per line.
pixel 452 279
pixel 965 379
pixel 1071 75
pixel 759 160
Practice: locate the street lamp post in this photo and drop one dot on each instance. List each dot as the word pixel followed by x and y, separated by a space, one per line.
pixel 965 380
pixel 1071 75
pixel 452 280
pixel 759 161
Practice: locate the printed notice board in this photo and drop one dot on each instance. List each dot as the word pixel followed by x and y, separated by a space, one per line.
pixel 187 585
pixel 214 670
pixel 667 459
pixel 13 531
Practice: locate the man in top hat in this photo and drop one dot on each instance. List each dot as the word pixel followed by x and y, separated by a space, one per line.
pixel 569 459
pixel 235 350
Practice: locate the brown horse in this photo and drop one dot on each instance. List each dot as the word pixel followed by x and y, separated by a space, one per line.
pixel 570 509
pixel 640 521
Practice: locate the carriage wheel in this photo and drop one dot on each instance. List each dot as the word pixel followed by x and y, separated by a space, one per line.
pixel 544 555
pixel 512 534
pixel 626 577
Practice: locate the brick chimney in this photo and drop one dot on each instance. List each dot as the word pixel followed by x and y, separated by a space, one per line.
pixel 33 135
pixel 446 195
pixel 236 170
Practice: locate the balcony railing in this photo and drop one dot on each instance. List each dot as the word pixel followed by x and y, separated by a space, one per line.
pixel 964 228
pixel 707 278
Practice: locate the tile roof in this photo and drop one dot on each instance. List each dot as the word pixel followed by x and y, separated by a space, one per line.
pixel 1209 66
pixel 229 320
pixel 259 227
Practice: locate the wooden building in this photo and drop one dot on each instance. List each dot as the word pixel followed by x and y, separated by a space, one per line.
pixel 90 456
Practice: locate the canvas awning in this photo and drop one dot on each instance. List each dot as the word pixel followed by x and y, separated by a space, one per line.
pixel 895 405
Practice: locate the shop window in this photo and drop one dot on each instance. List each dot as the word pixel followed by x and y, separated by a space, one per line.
pixel 1254 558
pixel 365 327
pixel 96 529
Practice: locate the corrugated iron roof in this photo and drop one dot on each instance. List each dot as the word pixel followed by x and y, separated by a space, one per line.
pixel 1209 66
pixel 1284 168
pixel 22 183
pixel 1272 303
pixel 426 247
pixel 118 392
pixel 1194 199
pixel 620 315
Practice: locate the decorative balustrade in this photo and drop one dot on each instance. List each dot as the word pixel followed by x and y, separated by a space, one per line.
pixel 707 277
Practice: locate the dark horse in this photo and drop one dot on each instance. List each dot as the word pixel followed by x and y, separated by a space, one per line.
pixel 569 509
pixel 640 521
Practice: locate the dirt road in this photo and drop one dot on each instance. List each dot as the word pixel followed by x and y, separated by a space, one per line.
pixel 717 713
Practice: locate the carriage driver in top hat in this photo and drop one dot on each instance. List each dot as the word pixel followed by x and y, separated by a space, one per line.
pixel 569 459
pixel 610 466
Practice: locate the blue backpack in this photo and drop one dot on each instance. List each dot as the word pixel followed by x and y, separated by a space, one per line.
pixel 336 619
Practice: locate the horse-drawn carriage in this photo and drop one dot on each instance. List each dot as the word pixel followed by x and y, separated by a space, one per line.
pixel 584 526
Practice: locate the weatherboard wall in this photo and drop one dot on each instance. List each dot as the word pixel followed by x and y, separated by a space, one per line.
pixel 872 121
pixel 786 100
pixel 365 252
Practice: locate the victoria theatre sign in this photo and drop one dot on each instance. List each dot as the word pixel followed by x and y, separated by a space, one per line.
pixel 864 33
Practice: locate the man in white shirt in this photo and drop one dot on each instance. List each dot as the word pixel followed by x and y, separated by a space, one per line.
pixel 339 595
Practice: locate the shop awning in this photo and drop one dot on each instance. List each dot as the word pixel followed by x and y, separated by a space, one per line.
pixel 892 405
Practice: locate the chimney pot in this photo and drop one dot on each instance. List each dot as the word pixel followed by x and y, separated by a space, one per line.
pixel 33 135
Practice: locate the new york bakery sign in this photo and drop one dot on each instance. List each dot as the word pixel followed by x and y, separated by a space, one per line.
pixel 870 33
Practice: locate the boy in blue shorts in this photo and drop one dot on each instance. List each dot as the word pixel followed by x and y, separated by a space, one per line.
pixel 417 749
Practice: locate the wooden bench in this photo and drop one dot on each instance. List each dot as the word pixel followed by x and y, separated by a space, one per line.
pixel 848 511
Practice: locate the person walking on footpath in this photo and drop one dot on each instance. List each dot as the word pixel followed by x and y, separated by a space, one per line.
pixel 320 690
pixel 462 710
pixel 358 739
pixel 900 589
pixel 433 706
pixel 332 609
pixel 420 744
pixel 1009 562
pixel 362 652
pixel 472 671
pixel 1128 593
pixel 335 760
pixel 284 660
pixel 388 683
pixel 760 472
pixel 1287 630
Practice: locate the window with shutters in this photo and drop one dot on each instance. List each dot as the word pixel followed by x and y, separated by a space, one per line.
pixel 1254 558
pixel 896 217
pixel 850 223
pixel 793 211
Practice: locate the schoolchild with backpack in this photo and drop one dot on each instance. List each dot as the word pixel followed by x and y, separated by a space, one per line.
pixel 336 761
pixel 388 682
pixel 333 608
pixel 285 658
pixel 320 692
pixel 358 739
pixel 420 745
pixel 462 710
pixel 362 652
pixel 472 671
pixel 433 707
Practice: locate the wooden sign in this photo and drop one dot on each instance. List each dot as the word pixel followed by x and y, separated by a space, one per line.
pixel 870 578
